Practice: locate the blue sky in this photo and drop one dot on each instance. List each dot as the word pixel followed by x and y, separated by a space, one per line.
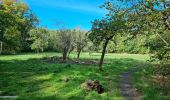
pixel 67 13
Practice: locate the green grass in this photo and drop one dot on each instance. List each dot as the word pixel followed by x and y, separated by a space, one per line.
pixel 28 77
pixel 142 80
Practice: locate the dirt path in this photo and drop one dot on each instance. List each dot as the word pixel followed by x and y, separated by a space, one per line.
pixel 126 87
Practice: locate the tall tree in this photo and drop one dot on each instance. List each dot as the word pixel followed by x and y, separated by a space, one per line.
pixel 101 32
pixel 30 22
pixel 105 29
pixel 155 22
pixel 12 17
pixel 155 16
pixel 155 19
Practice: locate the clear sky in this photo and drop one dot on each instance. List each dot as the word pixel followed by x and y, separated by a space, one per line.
pixel 67 13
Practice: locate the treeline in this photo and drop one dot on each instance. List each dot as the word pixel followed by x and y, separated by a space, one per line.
pixel 51 40
pixel 20 32
pixel 16 20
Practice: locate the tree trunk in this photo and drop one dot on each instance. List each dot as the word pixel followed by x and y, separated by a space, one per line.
pixel 65 51
pixel 69 51
pixel 78 54
pixel 103 54
pixel 64 56
pixel 1 45
pixel 167 44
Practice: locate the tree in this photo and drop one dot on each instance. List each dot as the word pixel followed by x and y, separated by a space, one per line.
pixel 13 15
pixel 101 31
pixel 53 41
pixel 154 23
pixel 81 41
pixel 9 17
pixel 39 37
pixel 105 29
pixel 65 42
pixel 155 16
pixel 30 22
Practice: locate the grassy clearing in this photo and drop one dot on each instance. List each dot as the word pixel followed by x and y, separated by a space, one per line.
pixel 30 78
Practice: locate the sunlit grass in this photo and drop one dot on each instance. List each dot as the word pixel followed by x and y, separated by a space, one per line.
pixel 30 78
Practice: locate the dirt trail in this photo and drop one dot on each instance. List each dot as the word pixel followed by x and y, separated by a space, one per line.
pixel 126 87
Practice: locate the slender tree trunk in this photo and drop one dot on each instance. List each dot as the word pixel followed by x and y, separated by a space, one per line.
pixel 78 54
pixel 69 51
pixel 64 56
pixel 69 54
pixel 65 51
pixel 37 51
pixel 1 46
pixel 103 54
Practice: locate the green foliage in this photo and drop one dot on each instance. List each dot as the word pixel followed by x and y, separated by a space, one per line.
pixel 30 22
pixel 105 29
pixel 39 37
pixel 101 31
pixel 80 41
pixel 154 23
pixel 127 44
pixel 53 41
pixel 66 42
pixel 16 20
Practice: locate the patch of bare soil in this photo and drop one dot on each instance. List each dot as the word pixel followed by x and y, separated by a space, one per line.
pixel 126 87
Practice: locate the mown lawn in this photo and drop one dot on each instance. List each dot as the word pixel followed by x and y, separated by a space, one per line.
pixel 29 78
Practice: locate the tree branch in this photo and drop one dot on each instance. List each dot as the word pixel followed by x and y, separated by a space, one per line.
pixel 167 44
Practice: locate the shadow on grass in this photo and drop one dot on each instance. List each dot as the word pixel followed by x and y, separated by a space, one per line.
pixel 35 79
